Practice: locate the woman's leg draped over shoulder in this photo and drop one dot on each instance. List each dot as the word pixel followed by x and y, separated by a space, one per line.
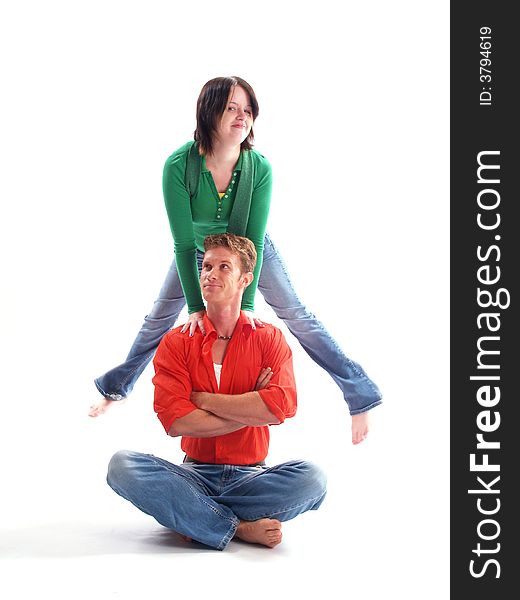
pixel 117 383
pixel 360 392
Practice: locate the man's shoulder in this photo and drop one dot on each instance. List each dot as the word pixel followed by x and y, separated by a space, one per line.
pixel 269 334
pixel 179 348
pixel 176 339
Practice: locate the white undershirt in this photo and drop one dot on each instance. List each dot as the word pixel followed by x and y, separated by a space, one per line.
pixel 218 370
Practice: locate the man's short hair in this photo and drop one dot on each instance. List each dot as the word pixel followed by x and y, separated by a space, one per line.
pixel 241 246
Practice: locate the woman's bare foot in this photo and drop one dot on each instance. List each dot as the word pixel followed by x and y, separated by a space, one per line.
pixel 360 427
pixel 264 531
pixel 100 407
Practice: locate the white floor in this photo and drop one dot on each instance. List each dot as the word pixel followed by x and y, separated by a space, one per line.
pixel 115 551
pixel 381 532
pixel 132 557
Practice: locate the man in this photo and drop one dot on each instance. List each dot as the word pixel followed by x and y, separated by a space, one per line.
pixel 220 391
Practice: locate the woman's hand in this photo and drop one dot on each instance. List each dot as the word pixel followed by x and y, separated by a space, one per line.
pixel 255 321
pixel 264 378
pixel 194 321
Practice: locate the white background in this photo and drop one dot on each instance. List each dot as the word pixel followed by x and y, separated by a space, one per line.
pixel 354 120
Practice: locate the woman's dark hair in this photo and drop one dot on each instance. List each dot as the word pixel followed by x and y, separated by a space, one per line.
pixel 211 105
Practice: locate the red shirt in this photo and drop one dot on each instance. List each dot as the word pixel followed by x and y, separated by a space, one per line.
pixel 183 363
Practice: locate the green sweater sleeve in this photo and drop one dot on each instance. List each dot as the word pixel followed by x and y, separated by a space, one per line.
pixel 256 225
pixel 178 208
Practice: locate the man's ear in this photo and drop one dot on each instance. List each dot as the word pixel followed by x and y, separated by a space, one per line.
pixel 247 278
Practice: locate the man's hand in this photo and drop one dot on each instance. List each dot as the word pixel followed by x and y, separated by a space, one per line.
pixel 247 408
pixel 203 424
pixel 264 378
pixel 201 399
pixel 198 398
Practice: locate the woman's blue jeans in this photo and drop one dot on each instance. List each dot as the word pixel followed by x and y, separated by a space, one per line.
pixel 360 393
pixel 207 502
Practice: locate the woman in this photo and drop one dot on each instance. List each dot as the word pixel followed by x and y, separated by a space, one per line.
pixel 219 183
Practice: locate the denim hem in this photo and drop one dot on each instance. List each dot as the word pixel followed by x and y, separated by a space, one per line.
pixel 114 397
pixel 138 368
pixel 230 534
pixel 365 408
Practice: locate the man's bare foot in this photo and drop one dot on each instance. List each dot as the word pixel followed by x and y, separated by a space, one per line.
pixel 101 406
pixel 264 531
pixel 360 427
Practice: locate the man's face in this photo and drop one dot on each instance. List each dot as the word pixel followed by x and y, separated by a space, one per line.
pixel 221 279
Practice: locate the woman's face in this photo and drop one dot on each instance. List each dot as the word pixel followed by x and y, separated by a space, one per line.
pixel 237 119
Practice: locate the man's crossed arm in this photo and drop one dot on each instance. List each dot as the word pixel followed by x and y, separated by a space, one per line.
pixel 218 414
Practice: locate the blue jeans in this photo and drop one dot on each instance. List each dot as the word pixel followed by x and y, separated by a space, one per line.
pixel 360 393
pixel 207 502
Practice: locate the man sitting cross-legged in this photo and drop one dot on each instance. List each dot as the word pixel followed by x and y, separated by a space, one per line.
pixel 220 391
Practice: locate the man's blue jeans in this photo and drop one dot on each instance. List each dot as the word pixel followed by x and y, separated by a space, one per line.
pixel 207 502
pixel 360 393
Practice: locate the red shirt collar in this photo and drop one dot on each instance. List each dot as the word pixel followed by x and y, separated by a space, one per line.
pixel 243 326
